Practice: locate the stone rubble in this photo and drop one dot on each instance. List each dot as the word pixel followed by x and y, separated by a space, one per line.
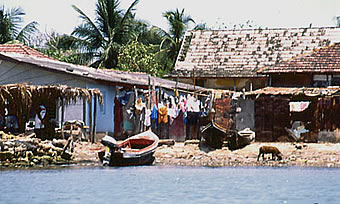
pixel 27 151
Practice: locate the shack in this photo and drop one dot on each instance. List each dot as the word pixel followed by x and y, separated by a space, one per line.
pixel 21 103
pixel 296 114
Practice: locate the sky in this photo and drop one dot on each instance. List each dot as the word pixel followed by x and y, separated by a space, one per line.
pixel 59 16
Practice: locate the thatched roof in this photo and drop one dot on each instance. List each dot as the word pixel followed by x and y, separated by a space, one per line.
pixel 23 95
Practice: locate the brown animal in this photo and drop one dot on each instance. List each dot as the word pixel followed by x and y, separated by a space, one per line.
pixel 269 150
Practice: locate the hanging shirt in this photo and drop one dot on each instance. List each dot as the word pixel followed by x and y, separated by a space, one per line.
pixel 147 121
pixel 298 106
pixel 163 115
pixel 193 104
pixel 172 114
pixel 139 106
pixel 154 114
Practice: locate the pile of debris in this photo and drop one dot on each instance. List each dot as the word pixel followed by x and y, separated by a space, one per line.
pixel 29 151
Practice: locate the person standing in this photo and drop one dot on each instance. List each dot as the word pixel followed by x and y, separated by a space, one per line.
pixel 40 120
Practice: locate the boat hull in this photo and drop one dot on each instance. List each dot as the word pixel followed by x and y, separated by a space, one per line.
pixel 137 150
pixel 213 135
pixel 117 159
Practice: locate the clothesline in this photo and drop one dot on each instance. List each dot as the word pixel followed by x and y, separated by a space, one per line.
pixel 190 92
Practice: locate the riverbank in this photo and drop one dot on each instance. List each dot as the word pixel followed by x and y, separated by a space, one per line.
pixel 26 152
pixel 180 154
pixel 294 154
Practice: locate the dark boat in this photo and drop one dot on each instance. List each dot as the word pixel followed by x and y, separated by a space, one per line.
pixel 136 150
pixel 245 137
pixel 213 135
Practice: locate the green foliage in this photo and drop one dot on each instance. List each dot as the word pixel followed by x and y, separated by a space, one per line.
pixel 101 39
pixel 105 39
pixel 137 57
pixel 10 26
pixel 69 56
pixel 64 48
pixel 171 41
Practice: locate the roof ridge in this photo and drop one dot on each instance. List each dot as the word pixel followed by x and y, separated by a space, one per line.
pixel 275 28
pixel 25 50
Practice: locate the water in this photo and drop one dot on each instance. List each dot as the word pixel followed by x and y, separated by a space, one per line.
pixel 154 184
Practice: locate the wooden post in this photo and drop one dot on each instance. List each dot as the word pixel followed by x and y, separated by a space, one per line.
pixel 84 111
pixel 62 118
pixel 84 119
pixel 234 84
pixel 157 96
pixel 194 79
pixel 62 112
pixel 148 101
pixel 94 119
pixel 153 94
pixel 90 119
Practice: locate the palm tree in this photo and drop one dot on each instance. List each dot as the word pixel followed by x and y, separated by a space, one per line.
pixel 178 23
pixel 64 48
pixel 102 38
pixel 10 26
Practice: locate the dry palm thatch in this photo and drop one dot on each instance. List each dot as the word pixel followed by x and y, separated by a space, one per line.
pixel 23 96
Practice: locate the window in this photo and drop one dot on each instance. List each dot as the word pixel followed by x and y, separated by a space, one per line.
pixel 320 80
pixel 335 80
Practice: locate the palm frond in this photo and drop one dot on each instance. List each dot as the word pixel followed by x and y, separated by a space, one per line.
pixel 89 23
pixel 28 30
pixel 129 10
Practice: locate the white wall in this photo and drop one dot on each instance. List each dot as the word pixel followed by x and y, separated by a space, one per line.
pixel 23 73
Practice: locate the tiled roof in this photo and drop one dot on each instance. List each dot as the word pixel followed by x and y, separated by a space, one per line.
pixel 21 49
pixel 240 53
pixel 324 60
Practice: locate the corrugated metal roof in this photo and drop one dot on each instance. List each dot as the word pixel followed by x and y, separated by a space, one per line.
pixel 330 91
pixel 111 76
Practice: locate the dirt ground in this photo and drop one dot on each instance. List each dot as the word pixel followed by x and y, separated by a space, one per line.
pixel 294 154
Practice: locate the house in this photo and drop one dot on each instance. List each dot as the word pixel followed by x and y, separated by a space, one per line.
pixel 319 68
pixel 21 64
pixel 230 59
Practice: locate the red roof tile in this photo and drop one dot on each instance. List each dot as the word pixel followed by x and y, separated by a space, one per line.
pixel 323 60
pixel 241 53
pixel 21 49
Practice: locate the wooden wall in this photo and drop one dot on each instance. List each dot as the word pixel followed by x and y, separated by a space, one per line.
pixel 292 80
pixel 271 118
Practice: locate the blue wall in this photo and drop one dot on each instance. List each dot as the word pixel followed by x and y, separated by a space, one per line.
pixel 105 112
